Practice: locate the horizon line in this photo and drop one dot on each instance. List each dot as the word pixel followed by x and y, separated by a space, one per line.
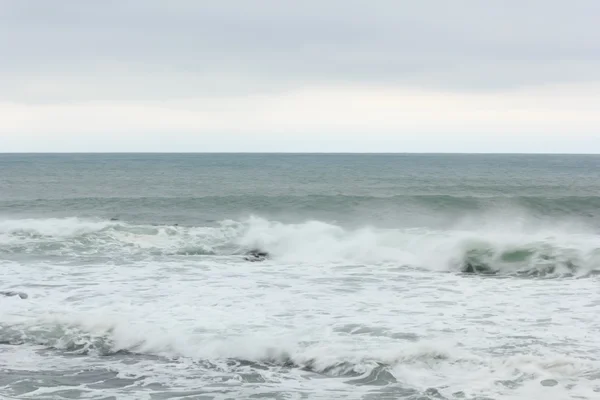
pixel 284 153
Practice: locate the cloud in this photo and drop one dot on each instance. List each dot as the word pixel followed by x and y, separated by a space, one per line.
pixel 140 49
pixel 374 76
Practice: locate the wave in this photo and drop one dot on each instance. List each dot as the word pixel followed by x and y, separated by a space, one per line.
pixel 81 336
pixel 492 246
pixel 84 335
pixel 76 236
pixel 444 206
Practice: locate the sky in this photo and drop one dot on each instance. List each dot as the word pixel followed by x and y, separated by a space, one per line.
pixel 300 76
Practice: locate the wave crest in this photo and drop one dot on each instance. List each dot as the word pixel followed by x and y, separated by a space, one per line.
pixel 363 367
pixel 489 247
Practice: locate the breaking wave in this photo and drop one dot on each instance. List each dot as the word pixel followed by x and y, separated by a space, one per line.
pixel 109 337
pixel 492 246
pixel 376 367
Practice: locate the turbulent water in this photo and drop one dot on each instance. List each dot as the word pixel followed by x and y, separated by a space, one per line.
pixel 387 277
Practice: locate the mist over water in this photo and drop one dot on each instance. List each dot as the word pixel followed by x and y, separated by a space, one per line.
pixel 387 276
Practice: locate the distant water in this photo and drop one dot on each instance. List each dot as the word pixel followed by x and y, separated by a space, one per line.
pixel 389 277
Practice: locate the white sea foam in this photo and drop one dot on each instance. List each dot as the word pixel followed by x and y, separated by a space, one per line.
pixel 447 364
pixel 500 246
pixel 352 312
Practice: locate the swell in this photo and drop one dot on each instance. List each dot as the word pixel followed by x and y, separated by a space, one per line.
pixel 145 207
pixel 495 246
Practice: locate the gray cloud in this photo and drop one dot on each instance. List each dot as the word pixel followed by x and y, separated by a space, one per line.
pixel 72 50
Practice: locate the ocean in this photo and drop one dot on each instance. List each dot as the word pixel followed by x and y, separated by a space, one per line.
pixel 390 276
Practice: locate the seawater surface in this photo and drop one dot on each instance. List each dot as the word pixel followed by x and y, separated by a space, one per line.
pixel 388 277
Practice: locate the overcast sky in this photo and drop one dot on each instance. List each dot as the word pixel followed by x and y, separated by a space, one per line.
pixel 273 75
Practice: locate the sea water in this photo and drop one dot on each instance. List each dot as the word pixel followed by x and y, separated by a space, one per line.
pixel 387 276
